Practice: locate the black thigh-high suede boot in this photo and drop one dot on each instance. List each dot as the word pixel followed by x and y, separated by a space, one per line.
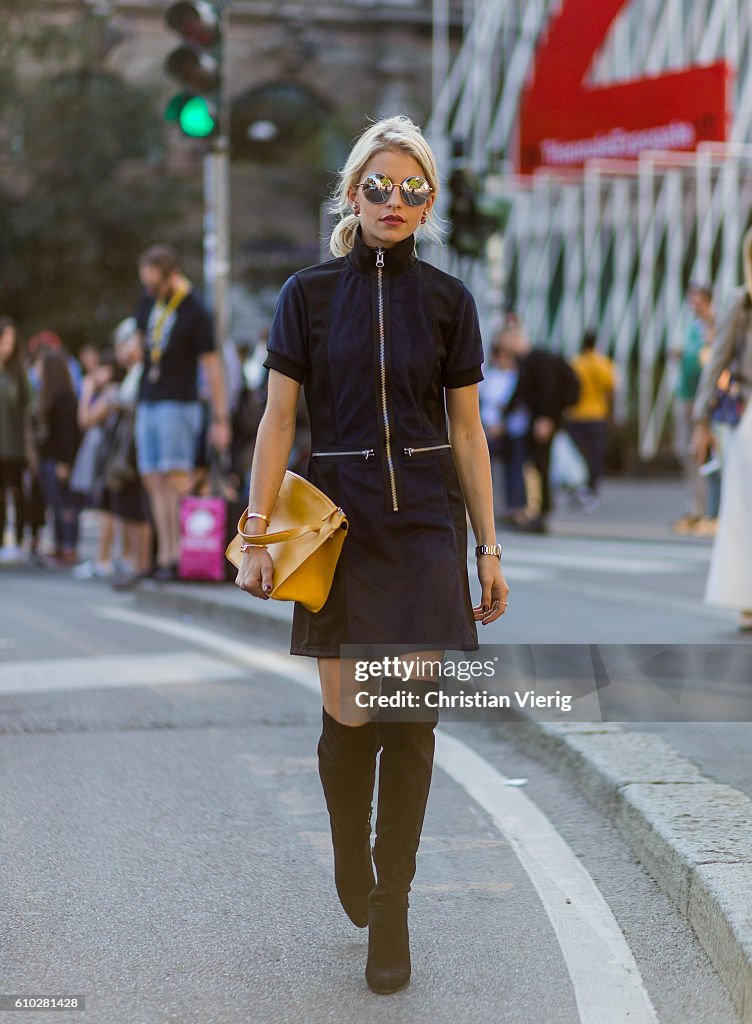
pixel 405 770
pixel 347 769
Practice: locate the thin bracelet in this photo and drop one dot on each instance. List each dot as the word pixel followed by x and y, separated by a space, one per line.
pixel 256 515
pixel 252 547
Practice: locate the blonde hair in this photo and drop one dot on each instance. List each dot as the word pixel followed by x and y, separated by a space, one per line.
pixel 398 134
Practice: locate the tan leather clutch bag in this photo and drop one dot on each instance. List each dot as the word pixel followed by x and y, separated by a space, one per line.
pixel 306 532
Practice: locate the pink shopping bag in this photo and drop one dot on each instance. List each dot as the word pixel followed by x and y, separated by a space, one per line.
pixel 203 530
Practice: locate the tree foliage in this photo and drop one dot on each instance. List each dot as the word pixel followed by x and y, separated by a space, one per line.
pixel 83 182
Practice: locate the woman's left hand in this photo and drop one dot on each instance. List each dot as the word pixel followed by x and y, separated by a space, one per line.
pixel 494 590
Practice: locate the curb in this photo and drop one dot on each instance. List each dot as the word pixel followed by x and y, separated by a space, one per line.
pixel 692 834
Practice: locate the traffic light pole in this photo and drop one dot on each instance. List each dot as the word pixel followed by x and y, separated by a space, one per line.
pixel 217 238
pixel 217 208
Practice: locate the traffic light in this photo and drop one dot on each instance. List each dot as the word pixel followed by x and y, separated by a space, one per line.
pixel 471 228
pixel 197 64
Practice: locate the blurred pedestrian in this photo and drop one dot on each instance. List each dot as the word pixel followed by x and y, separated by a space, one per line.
pixel 587 420
pixel 506 421
pixel 15 443
pixel 178 337
pixel 545 389
pixel 690 359
pixel 95 404
pixel 89 358
pixel 730 580
pixel 387 346
pixel 129 501
pixel 51 341
pixel 58 437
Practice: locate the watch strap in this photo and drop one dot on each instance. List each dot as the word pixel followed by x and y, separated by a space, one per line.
pixel 488 549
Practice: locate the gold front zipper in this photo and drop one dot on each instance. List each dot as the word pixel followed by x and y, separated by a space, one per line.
pixel 382 362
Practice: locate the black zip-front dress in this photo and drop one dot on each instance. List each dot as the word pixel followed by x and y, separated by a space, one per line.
pixel 374 338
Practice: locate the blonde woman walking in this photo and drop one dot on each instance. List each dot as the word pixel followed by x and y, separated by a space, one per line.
pixel 381 341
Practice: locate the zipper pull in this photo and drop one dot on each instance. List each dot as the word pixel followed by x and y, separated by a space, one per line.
pixel 365 453
pixel 379 257
pixel 409 451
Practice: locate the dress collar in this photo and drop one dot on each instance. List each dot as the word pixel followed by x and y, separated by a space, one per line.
pixel 397 259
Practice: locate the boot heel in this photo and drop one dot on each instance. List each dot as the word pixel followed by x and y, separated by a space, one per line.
pixel 388 966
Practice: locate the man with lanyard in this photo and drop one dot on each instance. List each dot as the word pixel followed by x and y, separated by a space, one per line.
pixel 178 336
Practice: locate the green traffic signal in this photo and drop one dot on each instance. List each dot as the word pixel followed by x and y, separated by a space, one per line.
pixel 196 118
pixel 194 115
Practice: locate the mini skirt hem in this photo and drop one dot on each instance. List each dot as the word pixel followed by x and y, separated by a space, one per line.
pixel 334 652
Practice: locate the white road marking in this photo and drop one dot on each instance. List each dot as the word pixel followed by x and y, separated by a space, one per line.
pixel 110 671
pixel 522 572
pixel 543 560
pixel 605 977
pixel 673 551
pixel 596 563
pixel 229 649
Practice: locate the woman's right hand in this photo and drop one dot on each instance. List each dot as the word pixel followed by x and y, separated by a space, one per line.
pixel 255 573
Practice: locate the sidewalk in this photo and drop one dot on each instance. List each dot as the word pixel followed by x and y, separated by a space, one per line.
pixel 630 509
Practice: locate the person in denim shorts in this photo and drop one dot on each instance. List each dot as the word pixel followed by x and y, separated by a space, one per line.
pixel 177 333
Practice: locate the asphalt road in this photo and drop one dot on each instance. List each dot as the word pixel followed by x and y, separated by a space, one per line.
pixel 165 845
pixel 616 593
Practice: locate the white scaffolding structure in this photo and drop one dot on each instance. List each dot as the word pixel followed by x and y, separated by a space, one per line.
pixel 615 246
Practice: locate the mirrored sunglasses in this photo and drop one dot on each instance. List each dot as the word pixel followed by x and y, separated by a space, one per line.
pixel 378 187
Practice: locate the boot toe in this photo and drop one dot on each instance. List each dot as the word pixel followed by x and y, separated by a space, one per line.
pixel 388 966
pixel 385 982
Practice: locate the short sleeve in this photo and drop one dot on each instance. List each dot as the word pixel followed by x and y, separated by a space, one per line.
pixel 287 345
pixel 464 355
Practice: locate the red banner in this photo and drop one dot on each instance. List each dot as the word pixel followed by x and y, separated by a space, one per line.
pixel 563 123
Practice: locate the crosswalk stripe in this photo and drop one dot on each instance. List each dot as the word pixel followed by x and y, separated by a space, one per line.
pixel 542 558
pixel 111 671
pixel 596 563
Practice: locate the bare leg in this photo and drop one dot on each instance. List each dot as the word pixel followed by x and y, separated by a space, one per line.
pixel 106 538
pixel 178 485
pixel 338 691
pixel 159 500
pixel 142 546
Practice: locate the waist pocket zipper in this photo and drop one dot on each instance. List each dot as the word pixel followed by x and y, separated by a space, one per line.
pixel 365 453
pixel 425 448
